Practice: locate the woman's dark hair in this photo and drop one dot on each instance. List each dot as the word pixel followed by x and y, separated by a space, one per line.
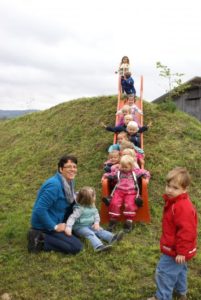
pixel 64 159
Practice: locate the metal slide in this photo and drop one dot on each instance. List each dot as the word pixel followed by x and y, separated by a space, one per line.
pixel 143 213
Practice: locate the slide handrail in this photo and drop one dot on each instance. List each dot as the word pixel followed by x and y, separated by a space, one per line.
pixel 143 213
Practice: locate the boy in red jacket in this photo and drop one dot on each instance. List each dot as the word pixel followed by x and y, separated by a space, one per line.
pixel 179 237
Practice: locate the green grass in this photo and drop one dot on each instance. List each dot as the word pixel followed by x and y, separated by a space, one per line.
pixel 29 152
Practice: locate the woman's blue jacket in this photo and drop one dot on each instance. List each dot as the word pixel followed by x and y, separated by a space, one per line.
pixel 51 205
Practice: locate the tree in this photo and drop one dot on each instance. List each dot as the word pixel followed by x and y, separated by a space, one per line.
pixel 175 84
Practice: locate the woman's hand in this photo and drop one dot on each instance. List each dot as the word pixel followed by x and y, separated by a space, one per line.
pixel 60 227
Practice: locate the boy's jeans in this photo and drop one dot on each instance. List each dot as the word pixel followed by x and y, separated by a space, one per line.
pixel 94 236
pixel 170 276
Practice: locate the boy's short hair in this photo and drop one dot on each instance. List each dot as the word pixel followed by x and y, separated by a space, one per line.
pixel 127 74
pixel 132 124
pixel 126 145
pixel 180 175
pixel 122 133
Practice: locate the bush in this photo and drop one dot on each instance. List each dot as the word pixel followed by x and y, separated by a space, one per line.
pixel 168 105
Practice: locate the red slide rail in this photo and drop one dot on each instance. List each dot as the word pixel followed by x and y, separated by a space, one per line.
pixel 143 213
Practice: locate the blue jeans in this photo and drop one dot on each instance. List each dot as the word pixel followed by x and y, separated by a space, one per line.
pixel 94 236
pixel 58 241
pixel 170 276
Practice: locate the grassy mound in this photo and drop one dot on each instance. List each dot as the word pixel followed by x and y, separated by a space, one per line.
pixel 30 148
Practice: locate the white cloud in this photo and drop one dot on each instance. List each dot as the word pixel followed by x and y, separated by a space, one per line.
pixel 53 51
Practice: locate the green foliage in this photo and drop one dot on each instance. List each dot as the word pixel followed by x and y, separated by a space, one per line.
pixel 175 84
pixel 168 105
pixel 30 148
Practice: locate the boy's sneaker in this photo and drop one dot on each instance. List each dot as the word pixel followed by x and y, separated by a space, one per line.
pixel 106 200
pixel 35 240
pixel 117 237
pixel 103 248
pixel 128 226
pixel 112 225
pixel 178 296
pixel 152 298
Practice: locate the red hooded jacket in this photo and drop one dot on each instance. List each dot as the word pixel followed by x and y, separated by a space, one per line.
pixel 179 227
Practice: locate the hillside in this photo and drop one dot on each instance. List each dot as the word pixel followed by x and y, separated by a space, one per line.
pixel 30 148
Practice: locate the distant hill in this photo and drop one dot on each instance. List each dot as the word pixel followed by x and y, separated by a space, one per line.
pixel 10 114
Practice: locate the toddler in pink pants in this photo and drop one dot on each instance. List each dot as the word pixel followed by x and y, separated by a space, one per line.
pixel 125 192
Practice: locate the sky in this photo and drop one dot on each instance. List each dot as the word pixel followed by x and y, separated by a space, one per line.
pixel 52 51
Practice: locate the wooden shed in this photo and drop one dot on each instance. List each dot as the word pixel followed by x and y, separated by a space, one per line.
pixel 190 100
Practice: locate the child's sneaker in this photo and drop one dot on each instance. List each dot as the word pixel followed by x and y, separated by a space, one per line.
pixel 178 296
pixel 112 225
pixel 128 226
pixel 103 248
pixel 117 237
pixel 152 298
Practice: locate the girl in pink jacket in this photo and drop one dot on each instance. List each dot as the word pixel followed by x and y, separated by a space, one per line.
pixel 125 192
